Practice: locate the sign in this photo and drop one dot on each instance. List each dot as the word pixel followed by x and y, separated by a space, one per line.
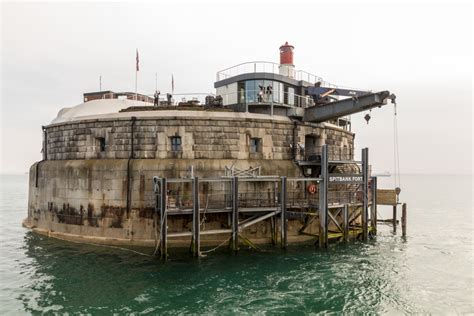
pixel 386 197
pixel 340 178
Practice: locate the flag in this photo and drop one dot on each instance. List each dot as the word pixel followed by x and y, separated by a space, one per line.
pixel 172 84
pixel 138 68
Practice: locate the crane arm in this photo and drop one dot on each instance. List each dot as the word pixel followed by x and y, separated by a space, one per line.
pixel 334 110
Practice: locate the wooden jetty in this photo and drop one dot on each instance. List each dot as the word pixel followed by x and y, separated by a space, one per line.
pixel 340 217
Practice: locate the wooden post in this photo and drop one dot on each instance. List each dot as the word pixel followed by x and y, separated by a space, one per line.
pixel 196 246
pixel 394 220
pixel 373 215
pixel 404 219
pixel 345 218
pixel 284 221
pixel 323 203
pixel 163 220
pixel 235 214
pixel 365 189
pixel 272 230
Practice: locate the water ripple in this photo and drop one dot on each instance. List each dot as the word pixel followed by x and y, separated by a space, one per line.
pixel 393 275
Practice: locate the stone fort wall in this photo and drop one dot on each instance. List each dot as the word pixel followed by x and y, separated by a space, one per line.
pixel 200 138
pixel 88 188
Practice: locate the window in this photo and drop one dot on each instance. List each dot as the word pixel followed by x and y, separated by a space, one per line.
pixel 176 143
pixel 101 143
pixel 289 97
pixel 252 91
pixel 255 145
pixel 241 92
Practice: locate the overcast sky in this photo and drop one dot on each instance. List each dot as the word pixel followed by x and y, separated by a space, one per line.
pixel 51 53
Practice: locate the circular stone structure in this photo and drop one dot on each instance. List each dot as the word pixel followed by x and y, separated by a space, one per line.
pixel 95 182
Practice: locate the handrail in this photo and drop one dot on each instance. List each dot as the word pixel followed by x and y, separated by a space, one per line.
pixel 187 96
pixel 266 66
pixel 274 68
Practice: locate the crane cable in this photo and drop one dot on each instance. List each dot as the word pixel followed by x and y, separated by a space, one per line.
pixel 396 155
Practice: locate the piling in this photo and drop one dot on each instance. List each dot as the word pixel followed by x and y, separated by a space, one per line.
pixel 196 245
pixel 365 189
pixel 404 219
pixel 394 220
pixel 284 221
pixel 163 220
pixel 373 215
pixel 345 218
pixel 235 214
pixel 323 204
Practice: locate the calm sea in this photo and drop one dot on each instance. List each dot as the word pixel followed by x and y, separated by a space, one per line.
pixel 430 271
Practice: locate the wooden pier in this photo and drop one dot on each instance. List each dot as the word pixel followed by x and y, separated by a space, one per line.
pixel 276 201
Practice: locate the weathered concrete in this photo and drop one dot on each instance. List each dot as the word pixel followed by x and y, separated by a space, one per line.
pixel 85 192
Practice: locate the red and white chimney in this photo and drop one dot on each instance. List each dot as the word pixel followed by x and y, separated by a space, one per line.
pixel 287 68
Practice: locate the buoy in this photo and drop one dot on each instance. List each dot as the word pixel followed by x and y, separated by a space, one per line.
pixel 312 188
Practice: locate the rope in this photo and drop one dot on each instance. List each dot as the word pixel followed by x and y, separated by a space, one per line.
pixel 105 246
pixel 203 221
pixel 158 237
pixel 396 155
pixel 213 249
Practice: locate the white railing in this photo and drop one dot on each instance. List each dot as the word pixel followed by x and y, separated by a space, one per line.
pixel 176 98
pixel 271 67
pixel 127 95
pixel 265 66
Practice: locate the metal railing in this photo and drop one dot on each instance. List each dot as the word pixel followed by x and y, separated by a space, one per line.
pixel 176 98
pixel 128 95
pixel 334 153
pixel 264 66
pixel 271 67
pixel 191 97
pixel 254 193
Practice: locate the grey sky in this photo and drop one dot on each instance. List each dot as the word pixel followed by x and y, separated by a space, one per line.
pixel 53 52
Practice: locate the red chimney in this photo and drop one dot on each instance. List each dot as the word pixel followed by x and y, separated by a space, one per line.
pixel 286 54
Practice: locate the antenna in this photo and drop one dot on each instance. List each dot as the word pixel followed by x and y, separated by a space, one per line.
pixel 100 83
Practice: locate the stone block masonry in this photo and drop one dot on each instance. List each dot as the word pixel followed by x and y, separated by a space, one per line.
pixel 201 138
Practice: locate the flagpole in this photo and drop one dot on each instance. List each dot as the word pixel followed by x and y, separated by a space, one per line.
pixel 136 76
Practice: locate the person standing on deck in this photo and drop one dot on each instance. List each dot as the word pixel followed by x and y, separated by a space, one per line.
pixel 157 98
pixel 269 93
pixel 260 93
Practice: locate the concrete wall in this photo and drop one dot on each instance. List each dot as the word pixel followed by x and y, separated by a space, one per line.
pixel 88 198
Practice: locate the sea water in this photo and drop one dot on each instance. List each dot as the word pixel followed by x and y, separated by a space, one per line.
pixel 429 271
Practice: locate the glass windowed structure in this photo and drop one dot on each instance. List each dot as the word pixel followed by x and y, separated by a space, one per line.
pixel 265 91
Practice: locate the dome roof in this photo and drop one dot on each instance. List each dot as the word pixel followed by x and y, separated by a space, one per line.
pixel 95 108
pixel 109 109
